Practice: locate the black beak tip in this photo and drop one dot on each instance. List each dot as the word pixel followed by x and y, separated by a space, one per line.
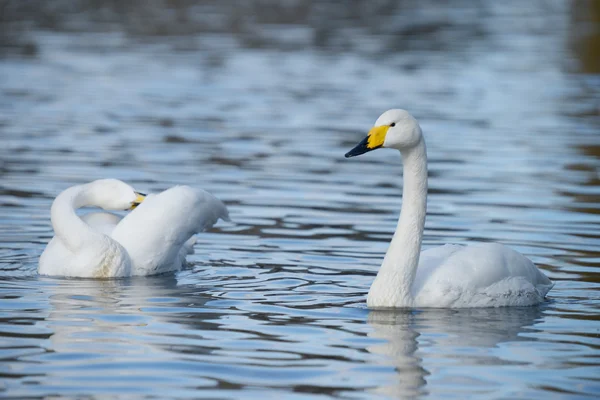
pixel 360 148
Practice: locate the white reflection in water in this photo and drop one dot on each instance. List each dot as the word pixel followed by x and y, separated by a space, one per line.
pixel 410 336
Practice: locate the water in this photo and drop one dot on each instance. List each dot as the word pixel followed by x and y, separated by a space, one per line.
pixel 261 114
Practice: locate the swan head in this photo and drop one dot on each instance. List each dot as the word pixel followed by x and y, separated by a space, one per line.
pixel 395 129
pixel 113 194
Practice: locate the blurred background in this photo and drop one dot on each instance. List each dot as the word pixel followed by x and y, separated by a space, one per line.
pixel 362 53
pixel 364 27
pixel 257 101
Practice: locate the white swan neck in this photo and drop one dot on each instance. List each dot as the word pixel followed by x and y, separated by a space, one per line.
pixel 71 229
pixel 401 261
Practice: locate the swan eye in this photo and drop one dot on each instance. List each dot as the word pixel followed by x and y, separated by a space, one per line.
pixel 392 124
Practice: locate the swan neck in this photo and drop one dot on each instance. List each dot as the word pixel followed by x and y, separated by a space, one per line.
pixel 401 261
pixel 71 229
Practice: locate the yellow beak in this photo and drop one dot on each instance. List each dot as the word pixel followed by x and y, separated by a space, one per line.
pixel 374 140
pixel 138 200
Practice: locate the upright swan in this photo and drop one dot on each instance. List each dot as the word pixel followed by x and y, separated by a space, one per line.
pixel 152 239
pixel 482 275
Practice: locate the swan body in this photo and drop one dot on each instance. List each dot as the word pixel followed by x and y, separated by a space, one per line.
pixel 154 238
pixel 479 275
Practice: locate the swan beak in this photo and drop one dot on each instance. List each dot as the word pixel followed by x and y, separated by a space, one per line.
pixel 374 140
pixel 138 199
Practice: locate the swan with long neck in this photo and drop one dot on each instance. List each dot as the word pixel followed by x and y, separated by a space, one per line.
pixel 152 239
pixel 482 275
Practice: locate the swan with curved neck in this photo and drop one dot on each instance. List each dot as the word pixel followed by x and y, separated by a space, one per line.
pixel 152 239
pixel 482 275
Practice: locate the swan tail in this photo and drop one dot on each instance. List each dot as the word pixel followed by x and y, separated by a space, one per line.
pixel 208 208
pixel 543 289
pixel 188 247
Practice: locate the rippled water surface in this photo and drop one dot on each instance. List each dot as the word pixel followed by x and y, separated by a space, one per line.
pixel 260 113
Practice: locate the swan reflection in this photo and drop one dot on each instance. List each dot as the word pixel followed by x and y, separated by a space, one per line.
pixel 411 338
pixel 117 312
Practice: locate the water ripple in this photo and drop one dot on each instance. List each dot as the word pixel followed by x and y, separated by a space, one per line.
pixel 261 114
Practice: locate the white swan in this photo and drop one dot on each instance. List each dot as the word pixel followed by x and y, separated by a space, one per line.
pixel 482 275
pixel 152 239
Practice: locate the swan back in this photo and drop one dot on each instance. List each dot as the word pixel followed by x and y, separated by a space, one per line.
pixel 483 264
pixel 103 222
pixel 155 232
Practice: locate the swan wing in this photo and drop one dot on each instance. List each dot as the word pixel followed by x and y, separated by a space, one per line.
pixel 158 233
pixel 430 260
pixel 481 275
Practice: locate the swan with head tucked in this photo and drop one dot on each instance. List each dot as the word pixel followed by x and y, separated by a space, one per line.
pixel 154 238
pixel 480 275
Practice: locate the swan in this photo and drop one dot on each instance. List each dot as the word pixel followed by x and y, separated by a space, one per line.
pixel 449 276
pixel 153 238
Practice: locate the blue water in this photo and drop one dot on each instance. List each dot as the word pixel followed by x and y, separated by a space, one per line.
pixel 259 107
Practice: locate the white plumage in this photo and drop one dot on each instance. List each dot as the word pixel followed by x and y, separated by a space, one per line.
pixel 480 275
pixel 153 238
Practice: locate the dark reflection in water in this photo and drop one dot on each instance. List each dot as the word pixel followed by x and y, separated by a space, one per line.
pixel 585 35
pixel 257 101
